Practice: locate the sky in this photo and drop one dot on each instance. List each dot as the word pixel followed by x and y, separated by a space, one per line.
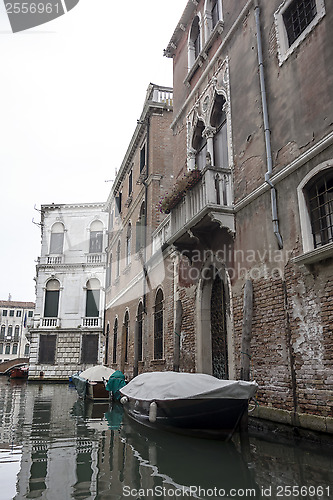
pixel 71 93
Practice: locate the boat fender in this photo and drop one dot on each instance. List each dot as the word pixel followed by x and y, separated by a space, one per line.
pixel 152 412
pixel 124 400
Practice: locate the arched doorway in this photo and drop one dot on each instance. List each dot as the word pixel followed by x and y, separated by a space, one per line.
pixel 218 330
pixel 214 349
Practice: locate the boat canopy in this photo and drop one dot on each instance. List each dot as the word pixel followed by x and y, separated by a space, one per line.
pixel 175 385
pixel 97 373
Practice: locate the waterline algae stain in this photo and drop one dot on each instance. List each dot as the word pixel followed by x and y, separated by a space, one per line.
pixel 56 446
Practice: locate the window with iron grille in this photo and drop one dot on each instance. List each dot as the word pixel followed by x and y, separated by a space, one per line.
pixel 297 17
pixel 320 201
pixel 89 352
pixel 115 339
pixel 158 326
pixel 47 349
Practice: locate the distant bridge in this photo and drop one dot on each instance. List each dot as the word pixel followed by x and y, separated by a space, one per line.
pixel 8 365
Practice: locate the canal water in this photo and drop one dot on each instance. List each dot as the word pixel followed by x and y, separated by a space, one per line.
pixel 55 446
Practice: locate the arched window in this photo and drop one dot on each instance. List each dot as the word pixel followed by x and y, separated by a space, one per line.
pixel 2 332
pixel 14 350
pixel 52 299
pixel 220 139
pixel 10 331
pixel 200 146
pixel 26 350
pixel 96 237
pixel 92 298
pixel 115 340
pixel 319 194
pixel 107 339
pixel 126 332
pixel 158 326
pixel 57 238
pixel 17 332
pixel 212 15
pixel 194 42
pixel 128 244
pixel 118 259
pixel 140 331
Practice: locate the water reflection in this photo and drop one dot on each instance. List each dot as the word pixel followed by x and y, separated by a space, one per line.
pixel 56 446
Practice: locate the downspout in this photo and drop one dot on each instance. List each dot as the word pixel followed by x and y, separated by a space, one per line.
pixel 145 272
pixel 269 160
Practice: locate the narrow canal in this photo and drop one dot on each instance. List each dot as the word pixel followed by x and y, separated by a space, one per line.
pixel 56 447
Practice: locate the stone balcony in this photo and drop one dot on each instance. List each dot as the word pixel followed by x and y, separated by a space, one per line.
pixel 49 322
pixel 205 207
pixel 92 322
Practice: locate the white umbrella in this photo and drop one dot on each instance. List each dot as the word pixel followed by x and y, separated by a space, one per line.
pixel 97 373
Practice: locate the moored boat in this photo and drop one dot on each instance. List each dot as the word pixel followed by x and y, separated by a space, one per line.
pixel 19 372
pixel 90 382
pixel 188 403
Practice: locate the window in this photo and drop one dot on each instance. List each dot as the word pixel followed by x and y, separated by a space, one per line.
pixel 194 43
pixel 89 351
pixel 7 349
pixel 2 332
pixel 319 194
pixel 18 314
pixel 140 229
pixel 215 13
pixel 118 204
pixel 11 312
pixel 96 237
pixel 51 299
pixel 142 158
pixel 30 314
pixel 126 331
pixel 14 350
pixel 315 199
pixel 140 331
pixel 297 17
pixel 118 259
pixel 115 340
pixel 1 348
pixel 92 298
pixel 294 20
pixel 57 238
pixel 130 183
pixel 47 349
pixel 158 326
pixel 4 312
pixel 200 146
pixel 10 331
pixel 26 350
pixel 108 272
pixel 17 332
pixel 220 139
pixel 128 244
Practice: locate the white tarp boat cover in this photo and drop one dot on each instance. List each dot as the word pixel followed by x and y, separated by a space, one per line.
pixel 176 385
pixel 97 373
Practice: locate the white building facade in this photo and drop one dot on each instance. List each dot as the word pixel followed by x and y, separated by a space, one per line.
pixel 15 317
pixel 68 323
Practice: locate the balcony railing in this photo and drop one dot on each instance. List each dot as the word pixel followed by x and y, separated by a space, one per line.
pixel 92 322
pixel 54 260
pixel 212 196
pixel 49 322
pixel 161 235
pixel 96 258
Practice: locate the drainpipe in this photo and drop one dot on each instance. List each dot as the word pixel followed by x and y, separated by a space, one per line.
pixel 269 160
pixel 146 212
